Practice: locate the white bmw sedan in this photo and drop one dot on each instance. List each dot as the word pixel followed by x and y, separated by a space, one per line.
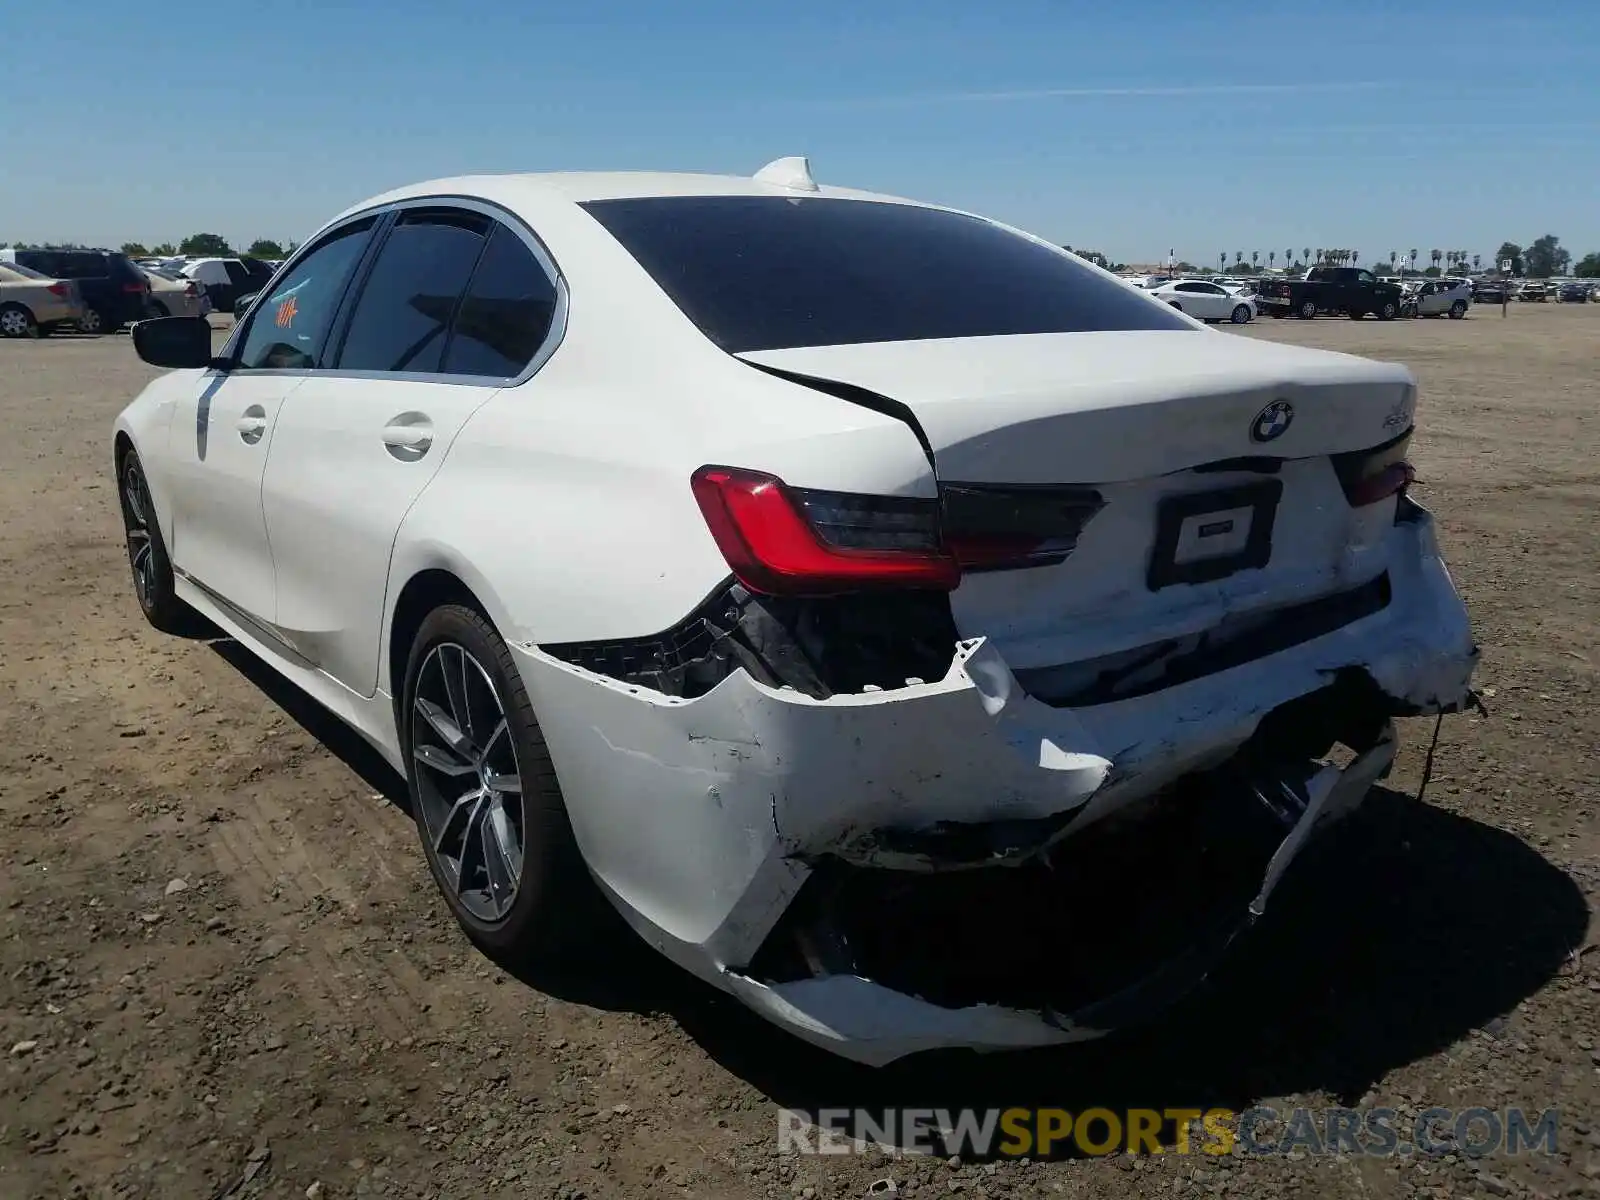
pixel 897 619
pixel 1206 301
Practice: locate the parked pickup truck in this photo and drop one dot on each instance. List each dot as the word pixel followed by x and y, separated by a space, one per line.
pixel 1349 290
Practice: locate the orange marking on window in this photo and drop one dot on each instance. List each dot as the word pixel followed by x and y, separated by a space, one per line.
pixel 286 312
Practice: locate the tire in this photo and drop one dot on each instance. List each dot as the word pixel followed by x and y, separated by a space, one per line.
pixel 17 322
pixel 92 322
pixel 1389 311
pixel 541 904
pixel 1308 310
pixel 147 552
pixel 1240 314
pixel 1458 310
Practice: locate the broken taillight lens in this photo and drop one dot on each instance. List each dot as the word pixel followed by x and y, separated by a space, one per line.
pixel 1369 476
pixel 784 541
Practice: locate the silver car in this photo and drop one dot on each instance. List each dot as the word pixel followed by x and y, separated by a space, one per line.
pixel 32 304
pixel 171 295
pixel 1441 297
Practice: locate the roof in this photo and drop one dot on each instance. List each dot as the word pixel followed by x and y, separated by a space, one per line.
pixel 519 191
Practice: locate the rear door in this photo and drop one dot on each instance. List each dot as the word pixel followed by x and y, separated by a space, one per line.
pixel 222 433
pixel 458 304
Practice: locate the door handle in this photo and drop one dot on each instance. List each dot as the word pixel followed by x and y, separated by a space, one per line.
pixel 408 439
pixel 252 424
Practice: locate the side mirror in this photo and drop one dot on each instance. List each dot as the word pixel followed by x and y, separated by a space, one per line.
pixel 174 341
pixel 242 304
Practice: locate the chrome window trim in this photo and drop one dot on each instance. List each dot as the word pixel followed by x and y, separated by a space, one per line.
pixel 495 212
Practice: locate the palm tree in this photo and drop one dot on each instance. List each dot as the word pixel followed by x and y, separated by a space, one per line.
pixel 1477 262
pixel 1255 258
pixel 1413 260
pixel 1319 255
pixel 1272 257
pixel 1238 256
pixel 1436 256
pixel 1222 260
pixel 1288 257
pixel 1355 256
pixel 1306 250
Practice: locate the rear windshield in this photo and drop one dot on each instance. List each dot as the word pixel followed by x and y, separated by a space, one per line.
pixel 774 273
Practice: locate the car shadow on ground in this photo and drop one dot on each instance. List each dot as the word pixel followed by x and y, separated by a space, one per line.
pixel 343 742
pixel 1392 937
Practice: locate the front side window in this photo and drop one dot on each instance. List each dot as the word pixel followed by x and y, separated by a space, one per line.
pixel 506 314
pixel 289 326
pixel 403 315
pixel 776 272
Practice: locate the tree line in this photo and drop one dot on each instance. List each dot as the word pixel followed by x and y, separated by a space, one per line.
pixel 1542 260
pixel 208 245
pixel 196 245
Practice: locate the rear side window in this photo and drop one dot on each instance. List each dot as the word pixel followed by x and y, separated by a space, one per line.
pixel 83 266
pixel 411 296
pixel 775 272
pixel 236 274
pixel 288 326
pixel 506 314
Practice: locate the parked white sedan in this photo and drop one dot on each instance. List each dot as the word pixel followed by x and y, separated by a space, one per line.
pixel 1207 301
pixel 851 592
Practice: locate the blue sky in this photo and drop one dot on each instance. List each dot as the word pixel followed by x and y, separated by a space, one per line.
pixel 1130 128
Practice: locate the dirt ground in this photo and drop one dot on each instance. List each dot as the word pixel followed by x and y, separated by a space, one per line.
pixel 224 969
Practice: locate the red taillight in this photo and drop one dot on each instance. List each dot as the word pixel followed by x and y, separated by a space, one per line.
pixel 191 288
pixel 784 541
pixel 136 289
pixel 59 289
pixel 1369 476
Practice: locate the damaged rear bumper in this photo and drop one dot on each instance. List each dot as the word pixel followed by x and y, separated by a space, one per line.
pixel 704 818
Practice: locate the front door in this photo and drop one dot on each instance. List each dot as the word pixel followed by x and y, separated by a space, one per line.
pixel 223 434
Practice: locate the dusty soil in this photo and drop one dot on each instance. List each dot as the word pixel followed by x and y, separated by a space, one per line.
pixel 224 970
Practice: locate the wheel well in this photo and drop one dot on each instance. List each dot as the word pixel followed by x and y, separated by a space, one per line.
pixel 121 448
pixel 16 304
pixel 423 592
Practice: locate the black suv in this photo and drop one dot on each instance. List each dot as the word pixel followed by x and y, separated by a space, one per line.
pixel 114 291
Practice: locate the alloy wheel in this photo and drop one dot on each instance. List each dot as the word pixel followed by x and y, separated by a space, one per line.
pixel 13 323
pixel 91 321
pixel 136 516
pixel 469 786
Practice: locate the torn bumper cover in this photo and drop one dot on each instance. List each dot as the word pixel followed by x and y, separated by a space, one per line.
pixel 756 835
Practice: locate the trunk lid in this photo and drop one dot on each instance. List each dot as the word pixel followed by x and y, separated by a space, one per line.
pixel 1184 436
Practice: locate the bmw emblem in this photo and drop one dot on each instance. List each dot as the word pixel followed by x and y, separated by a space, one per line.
pixel 1272 421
